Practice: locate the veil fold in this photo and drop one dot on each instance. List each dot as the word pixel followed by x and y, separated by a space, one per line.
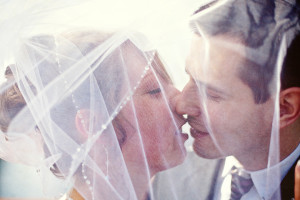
pixel 73 99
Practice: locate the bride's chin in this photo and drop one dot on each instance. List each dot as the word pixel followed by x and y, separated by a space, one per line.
pixel 177 158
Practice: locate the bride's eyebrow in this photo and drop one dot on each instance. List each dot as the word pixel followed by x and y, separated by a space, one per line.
pixel 159 69
pixel 146 78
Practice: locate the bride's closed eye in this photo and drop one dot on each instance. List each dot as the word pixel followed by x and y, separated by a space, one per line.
pixel 155 91
pixel 151 86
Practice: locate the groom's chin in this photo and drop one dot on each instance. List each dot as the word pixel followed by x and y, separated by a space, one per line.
pixel 208 152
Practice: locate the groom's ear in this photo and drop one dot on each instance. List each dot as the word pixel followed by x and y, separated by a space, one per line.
pixel 289 103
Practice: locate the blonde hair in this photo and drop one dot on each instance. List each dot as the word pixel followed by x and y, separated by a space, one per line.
pixel 11 100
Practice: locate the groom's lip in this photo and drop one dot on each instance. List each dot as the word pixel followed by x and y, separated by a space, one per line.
pixel 198 134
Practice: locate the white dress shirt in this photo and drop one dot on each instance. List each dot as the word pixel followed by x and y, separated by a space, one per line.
pixel 266 181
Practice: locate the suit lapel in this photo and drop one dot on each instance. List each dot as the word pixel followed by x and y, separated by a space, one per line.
pixel 287 184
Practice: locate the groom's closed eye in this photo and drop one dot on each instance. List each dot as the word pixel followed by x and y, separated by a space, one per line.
pixel 213 97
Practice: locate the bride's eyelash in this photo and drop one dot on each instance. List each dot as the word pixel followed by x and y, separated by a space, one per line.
pixel 155 91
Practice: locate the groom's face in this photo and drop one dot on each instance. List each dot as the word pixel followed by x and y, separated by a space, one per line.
pixel 221 111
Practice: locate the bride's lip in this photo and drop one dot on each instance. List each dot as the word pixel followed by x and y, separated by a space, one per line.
pixel 179 132
pixel 198 134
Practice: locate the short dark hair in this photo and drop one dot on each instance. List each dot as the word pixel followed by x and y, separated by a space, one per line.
pixel 290 73
pixel 225 20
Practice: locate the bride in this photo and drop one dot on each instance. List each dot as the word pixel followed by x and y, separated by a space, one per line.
pixel 97 109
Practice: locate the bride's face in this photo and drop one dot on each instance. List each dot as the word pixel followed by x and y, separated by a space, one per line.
pixel 151 124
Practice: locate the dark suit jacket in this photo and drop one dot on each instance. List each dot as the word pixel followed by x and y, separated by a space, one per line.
pixel 288 183
pixel 196 178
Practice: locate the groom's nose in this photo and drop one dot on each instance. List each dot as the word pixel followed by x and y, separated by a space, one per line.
pixel 188 101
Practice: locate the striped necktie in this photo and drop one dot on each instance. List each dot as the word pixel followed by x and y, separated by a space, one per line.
pixel 241 183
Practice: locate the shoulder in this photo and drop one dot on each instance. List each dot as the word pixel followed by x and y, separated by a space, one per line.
pixel 191 180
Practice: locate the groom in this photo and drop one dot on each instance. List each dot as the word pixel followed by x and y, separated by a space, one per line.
pixel 229 102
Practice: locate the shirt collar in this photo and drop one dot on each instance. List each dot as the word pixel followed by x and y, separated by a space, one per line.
pixel 266 181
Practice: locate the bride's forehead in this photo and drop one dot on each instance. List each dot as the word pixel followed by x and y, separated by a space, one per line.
pixel 141 60
pixel 133 57
pixel 132 51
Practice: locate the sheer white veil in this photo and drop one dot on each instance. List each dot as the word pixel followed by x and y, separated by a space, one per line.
pixel 93 106
pixel 93 102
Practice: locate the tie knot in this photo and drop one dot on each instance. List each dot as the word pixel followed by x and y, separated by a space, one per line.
pixel 241 183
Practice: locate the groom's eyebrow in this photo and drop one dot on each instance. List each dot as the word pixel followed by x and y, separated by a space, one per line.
pixel 208 86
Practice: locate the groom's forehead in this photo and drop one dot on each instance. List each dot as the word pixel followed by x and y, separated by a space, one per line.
pixel 215 55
